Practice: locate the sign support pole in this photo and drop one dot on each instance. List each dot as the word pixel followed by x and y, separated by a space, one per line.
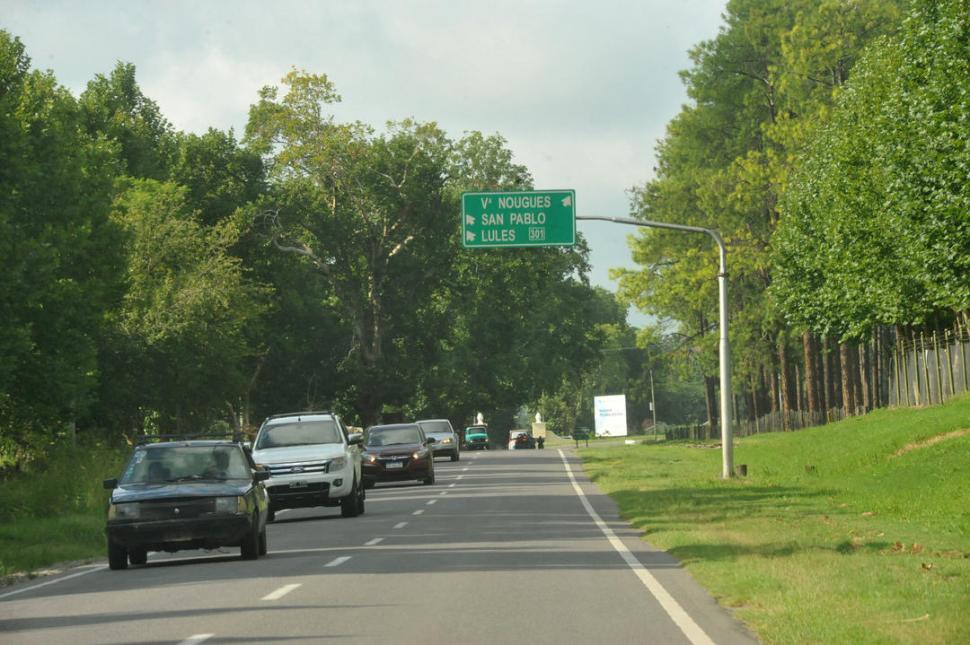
pixel 727 442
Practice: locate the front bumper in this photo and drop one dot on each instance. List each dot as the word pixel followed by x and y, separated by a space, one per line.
pixel 296 491
pixel 178 534
pixel 444 449
pixel 411 469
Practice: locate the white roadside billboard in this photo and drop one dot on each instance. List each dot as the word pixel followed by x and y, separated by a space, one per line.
pixel 610 415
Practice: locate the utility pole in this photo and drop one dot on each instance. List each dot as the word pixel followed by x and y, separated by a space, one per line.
pixel 653 400
pixel 727 443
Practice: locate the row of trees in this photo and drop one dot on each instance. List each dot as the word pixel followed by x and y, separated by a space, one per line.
pixel 827 142
pixel 155 279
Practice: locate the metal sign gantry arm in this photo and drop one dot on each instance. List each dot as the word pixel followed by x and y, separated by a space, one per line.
pixel 727 443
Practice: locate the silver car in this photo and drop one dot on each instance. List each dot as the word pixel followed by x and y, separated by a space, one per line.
pixel 445 438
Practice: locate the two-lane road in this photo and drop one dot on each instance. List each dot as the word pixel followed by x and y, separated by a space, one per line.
pixel 506 547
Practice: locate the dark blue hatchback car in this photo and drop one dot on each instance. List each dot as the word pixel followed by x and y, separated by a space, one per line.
pixel 179 495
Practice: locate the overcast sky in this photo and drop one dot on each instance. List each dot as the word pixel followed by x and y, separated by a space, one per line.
pixel 581 90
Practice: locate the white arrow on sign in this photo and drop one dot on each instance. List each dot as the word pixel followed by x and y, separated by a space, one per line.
pixel 469 236
pixel 567 201
pixel 470 220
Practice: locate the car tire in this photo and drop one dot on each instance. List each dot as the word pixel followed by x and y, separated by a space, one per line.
pixel 117 556
pixel 249 549
pixel 428 481
pixel 262 541
pixel 138 556
pixel 455 456
pixel 350 505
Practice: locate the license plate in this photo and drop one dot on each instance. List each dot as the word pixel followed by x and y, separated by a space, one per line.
pixel 391 465
pixel 299 484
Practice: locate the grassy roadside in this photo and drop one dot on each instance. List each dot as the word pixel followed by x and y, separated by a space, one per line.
pixel 56 513
pixel 854 532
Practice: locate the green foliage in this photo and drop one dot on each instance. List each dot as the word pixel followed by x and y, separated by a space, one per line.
pixel 877 227
pixel 55 510
pixel 180 336
pixel 759 90
pixel 114 107
pixel 58 255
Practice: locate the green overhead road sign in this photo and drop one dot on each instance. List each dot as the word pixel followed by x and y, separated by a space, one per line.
pixel 527 218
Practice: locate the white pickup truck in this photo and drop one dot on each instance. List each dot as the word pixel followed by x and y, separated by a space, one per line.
pixel 313 461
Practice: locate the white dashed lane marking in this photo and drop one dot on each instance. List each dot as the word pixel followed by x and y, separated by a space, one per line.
pixel 373 542
pixel 279 593
pixel 196 638
pixel 418 512
pixel 336 562
pixel 400 525
pixel 431 501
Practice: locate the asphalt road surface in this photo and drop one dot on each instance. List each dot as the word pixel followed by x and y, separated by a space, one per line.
pixel 506 547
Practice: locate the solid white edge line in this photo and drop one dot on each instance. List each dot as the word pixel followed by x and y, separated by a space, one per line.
pixel 196 639
pixel 374 542
pixel 681 618
pixel 282 591
pixel 336 562
pixel 97 567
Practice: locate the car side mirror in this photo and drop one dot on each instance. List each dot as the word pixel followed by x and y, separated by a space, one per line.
pixel 355 439
pixel 261 475
pixel 110 484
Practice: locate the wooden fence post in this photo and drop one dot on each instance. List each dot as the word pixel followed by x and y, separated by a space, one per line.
pixel 949 363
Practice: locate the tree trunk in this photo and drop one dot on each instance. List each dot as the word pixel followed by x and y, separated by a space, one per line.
pixel 769 373
pixel 864 377
pixel 827 398
pixel 845 367
pixel 784 368
pixel 811 369
pixel 711 399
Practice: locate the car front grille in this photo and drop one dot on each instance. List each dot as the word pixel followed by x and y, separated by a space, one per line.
pixel 298 468
pixel 184 508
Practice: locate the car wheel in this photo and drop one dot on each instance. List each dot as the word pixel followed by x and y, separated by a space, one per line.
pixel 137 556
pixel 117 556
pixel 262 541
pixel 350 505
pixel 429 479
pixel 249 549
pixel 455 456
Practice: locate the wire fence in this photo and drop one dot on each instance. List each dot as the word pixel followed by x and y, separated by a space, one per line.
pixel 924 369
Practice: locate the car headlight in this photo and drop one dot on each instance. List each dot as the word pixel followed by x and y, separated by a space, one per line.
pixel 128 511
pixel 446 440
pixel 371 459
pixel 233 504
pixel 419 454
pixel 337 464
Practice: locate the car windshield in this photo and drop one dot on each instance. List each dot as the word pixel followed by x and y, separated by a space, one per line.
pixel 186 463
pixel 435 426
pixel 301 433
pixel 377 437
pixel 475 430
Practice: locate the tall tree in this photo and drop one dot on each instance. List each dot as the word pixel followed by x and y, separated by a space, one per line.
pixel 366 211
pixel 58 254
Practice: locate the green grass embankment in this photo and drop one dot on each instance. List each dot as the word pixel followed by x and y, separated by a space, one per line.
pixel 855 532
pixel 55 512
